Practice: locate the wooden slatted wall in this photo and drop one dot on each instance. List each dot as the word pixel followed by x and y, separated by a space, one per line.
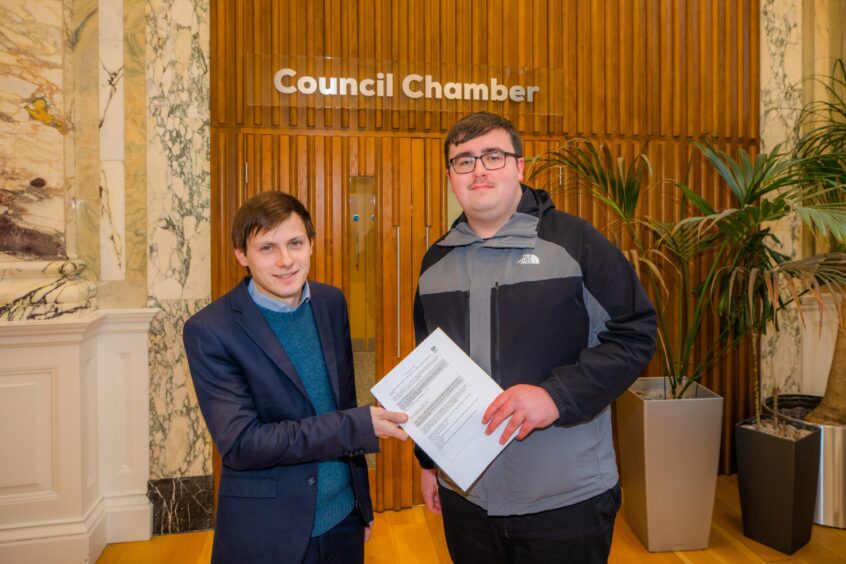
pixel 622 72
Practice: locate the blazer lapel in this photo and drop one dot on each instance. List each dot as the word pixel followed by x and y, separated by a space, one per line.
pixel 324 329
pixel 250 319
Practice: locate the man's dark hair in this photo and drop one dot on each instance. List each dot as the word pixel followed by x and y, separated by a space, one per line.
pixel 265 211
pixel 477 124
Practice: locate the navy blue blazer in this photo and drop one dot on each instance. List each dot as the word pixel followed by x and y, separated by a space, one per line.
pixel 265 427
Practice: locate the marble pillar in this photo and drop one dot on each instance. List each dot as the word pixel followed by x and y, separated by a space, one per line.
pixel 178 229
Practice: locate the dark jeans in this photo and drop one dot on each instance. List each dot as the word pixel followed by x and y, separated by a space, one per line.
pixel 579 533
pixel 342 544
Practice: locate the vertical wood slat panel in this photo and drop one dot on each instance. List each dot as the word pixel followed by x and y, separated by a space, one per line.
pixel 630 67
pixel 317 206
pixel 386 466
pixel 619 72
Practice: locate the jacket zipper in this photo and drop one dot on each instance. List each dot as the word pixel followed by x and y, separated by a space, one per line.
pixel 467 320
pixel 496 347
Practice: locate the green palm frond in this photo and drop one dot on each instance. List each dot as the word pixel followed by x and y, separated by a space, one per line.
pixel 752 179
pixel 745 278
pixel 752 297
pixel 644 263
pixel 684 240
pixel 825 219
pixel 821 128
pixel 614 181
pixel 821 150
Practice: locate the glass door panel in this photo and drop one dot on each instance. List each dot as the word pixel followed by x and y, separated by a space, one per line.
pixel 362 276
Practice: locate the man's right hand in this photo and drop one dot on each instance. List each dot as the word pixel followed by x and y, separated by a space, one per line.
pixel 429 489
pixel 385 423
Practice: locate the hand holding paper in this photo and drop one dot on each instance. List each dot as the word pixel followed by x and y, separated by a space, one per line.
pixel 386 423
pixel 529 407
pixel 445 395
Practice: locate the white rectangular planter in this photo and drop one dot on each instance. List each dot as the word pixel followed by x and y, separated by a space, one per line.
pixel 669 453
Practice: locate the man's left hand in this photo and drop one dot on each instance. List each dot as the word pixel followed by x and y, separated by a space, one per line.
pixel 530 408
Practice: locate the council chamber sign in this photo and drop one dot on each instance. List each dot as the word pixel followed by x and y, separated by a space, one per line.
pixel 327 82
pixel 413 86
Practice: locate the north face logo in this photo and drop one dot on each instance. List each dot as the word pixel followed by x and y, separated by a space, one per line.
pixel 529 258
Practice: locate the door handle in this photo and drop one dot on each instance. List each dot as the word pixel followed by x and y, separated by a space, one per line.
pixel 355 219
pixel 398 292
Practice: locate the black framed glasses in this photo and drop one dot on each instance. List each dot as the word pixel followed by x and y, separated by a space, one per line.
pixel 492 160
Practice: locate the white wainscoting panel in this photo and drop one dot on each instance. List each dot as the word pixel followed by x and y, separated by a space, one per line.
pixel 74 430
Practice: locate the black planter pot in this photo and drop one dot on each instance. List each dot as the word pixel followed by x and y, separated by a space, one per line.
pixel 777 479
pixel 830 508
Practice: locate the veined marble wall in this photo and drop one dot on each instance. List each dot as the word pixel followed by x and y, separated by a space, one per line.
pixel 178 182
pixel 112 141
pixel 781 101
pixel 796 45
pixel 36 117
pixel 104 181
pixel 38 280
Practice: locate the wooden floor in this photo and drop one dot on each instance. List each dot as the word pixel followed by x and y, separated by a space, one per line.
pixel 415 536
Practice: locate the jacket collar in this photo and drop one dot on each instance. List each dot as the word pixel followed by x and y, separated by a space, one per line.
pixel 519 232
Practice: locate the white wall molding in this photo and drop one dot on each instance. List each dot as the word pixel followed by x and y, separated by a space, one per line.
pixel 74 425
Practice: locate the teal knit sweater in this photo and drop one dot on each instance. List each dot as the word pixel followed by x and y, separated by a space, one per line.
pixel 297 332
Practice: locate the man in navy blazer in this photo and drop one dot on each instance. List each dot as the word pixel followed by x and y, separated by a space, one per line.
pixel 272 367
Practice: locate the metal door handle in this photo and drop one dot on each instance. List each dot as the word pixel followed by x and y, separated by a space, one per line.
pixel 355 219
pixel 398 291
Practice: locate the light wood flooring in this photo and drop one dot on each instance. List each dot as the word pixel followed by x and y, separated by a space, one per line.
pixel 415 536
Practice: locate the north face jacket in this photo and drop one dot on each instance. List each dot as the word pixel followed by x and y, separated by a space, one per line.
pixel 547 301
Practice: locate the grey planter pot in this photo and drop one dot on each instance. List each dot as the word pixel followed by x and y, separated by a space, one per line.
pixel 777 479
pixel 669 453
pixel 830 509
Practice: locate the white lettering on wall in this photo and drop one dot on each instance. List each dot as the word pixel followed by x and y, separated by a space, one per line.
pixel 279 77
pixel 407 88
pixel 412 86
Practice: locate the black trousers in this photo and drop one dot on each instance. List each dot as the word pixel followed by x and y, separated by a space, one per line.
pixel 342 544
pixel 579 533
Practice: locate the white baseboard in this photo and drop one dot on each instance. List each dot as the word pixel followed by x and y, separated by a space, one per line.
pixel 67 542
pixel 116 519
pixel 130 518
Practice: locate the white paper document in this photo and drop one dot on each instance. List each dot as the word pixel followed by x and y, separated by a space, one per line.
pixel 445 395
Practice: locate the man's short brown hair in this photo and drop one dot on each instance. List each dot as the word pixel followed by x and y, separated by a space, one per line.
pixel 264 212
pixel 477 124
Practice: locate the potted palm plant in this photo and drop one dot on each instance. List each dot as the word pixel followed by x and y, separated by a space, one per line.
pixel 821 132
pixel 752 283
pixel 669 480
pixel 746 280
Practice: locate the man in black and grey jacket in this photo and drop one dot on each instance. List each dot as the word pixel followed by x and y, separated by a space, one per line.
pixel 555 314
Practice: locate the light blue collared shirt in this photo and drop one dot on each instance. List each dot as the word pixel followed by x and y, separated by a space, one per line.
pixel 272 304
